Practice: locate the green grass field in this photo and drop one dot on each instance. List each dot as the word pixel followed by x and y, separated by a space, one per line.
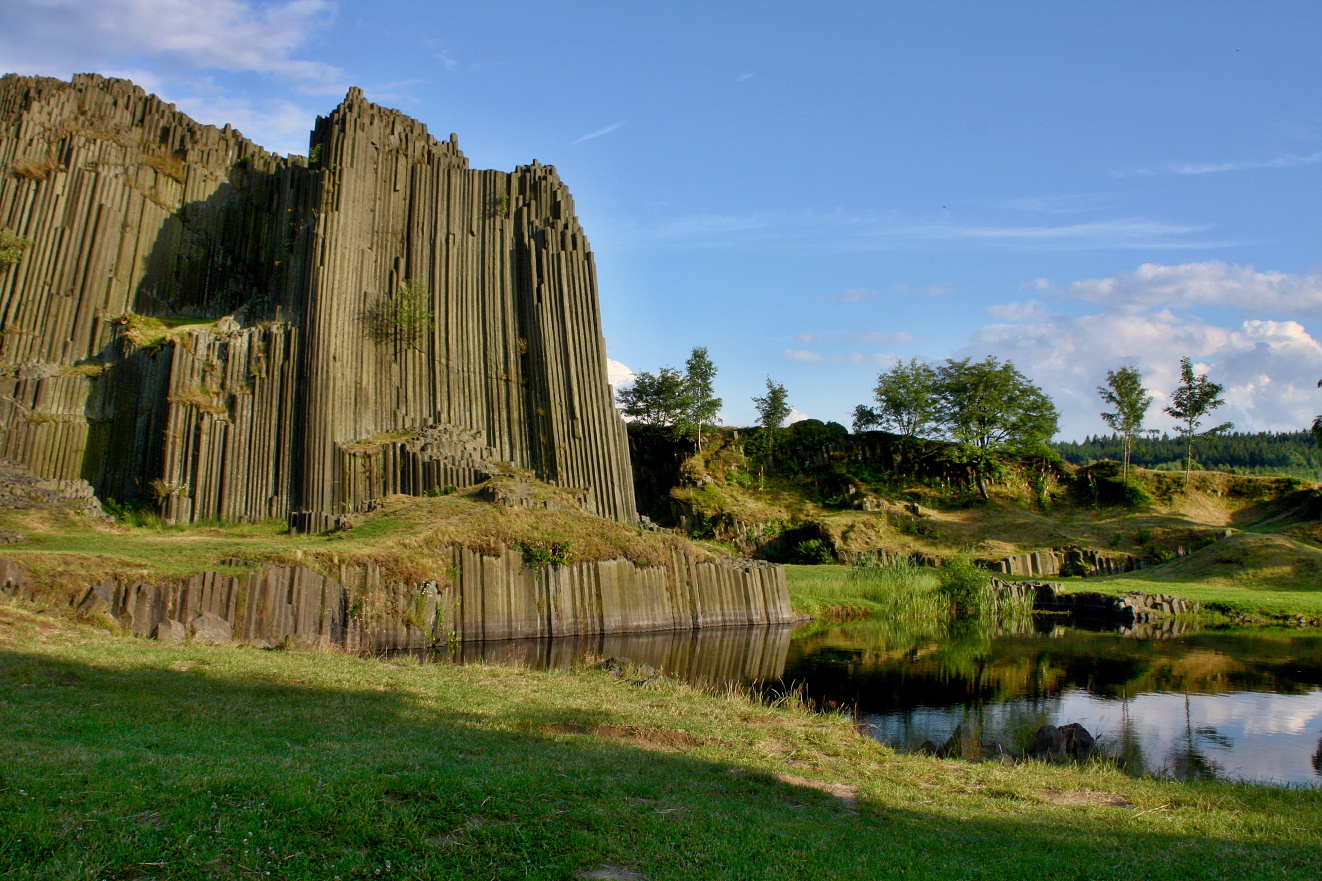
pixel 128 759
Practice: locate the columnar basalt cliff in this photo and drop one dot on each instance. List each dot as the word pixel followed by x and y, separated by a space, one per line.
pixel 378 318
pixel 359 607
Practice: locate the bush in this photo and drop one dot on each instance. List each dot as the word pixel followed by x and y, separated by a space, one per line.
pixel 12 247
pixel 965 586
pixel 813 552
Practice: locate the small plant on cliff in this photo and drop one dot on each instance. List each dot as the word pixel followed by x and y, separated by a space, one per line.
pixel 540 554
pixel 404 317
pixel 12 247
pixel 503 205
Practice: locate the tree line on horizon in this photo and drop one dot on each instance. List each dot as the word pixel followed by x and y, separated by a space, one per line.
pixel 990 406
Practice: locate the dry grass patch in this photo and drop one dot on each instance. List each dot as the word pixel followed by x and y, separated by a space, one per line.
pixel 1082 798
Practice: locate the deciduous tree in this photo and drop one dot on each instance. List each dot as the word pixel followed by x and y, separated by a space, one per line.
pixel 1125 392
pixel 907 402
pixel 774 408
pixel 700 375
pixel 1195 397
pixel 991 405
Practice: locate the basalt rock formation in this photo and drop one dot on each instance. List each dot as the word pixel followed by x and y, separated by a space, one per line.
pixel 360 608
pixel 228 333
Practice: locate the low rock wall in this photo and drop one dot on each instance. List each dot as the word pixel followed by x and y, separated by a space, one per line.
pixel 1127 611
pixel 362 609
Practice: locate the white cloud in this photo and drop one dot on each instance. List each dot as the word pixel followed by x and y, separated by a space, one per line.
pixel 60 37
pixel 864 232
pixel 177 48
pixel 796 415
pixel 1269 368
pixel 838 358
pixel 940 289
pixel 1213 283
pixel 618 373
pixel 806 337
pixel 853 295
pixel 877 336
pixel 278 125
pixel 1287 161
pixel 599 132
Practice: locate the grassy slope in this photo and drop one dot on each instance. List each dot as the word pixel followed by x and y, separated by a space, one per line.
pixel 1271 564
pixel 128 759
pixel 407 535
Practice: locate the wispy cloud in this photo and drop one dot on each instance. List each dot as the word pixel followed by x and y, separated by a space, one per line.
pixel 57 37
pixel 1213 283
pixel 940 289
pixel 1075 204
pixel 599 132
pixel 838 358
pixel 856 232
pixel 853 295
pixel 744 76
pixel 1288 161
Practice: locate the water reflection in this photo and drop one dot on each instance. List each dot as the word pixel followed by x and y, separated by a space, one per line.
pixel 712 656
pixel 1198 705
pixel 1189 705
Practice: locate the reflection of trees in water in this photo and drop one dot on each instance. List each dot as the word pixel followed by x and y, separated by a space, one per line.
pixel 1317 758
pixel 1187 759
pixel 1128 750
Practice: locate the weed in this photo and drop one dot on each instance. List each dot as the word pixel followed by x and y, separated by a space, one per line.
pixel 34 168
pixel 12 247
pixel 540 554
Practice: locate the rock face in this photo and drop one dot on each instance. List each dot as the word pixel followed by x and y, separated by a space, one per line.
pixel 490 598
pixel 377 318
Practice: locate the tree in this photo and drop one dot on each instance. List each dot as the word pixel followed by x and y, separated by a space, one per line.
pixel 700 374
pixel 907 402
pixel 991 405
pixel 1195 397
pixel 683 401
pixel 772 410
pixel 405 317
pixel 1317 424
pixel 1125 392
pixel 659 398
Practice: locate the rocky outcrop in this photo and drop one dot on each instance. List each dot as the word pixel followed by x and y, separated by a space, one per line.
pixel 489 598
pixel 1066 561
pixel 1135 608
pixel 376 318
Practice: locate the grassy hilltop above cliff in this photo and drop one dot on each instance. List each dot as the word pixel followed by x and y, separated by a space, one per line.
pixel 822 496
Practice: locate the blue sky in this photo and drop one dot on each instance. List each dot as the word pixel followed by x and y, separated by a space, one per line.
pixel 813 190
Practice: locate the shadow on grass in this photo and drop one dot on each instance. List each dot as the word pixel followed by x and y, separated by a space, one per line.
pixel 193 763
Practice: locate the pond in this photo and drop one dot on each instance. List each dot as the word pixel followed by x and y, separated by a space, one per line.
pixel 1234 705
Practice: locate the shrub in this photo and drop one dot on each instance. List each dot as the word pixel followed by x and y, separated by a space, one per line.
pixel 965 586
pixel 12 247
pixel 404 317
pixel 813 551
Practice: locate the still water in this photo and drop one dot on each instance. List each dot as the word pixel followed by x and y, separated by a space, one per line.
pixel 1239 705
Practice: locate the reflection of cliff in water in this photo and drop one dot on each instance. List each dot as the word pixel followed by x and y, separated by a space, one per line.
pixel 708 656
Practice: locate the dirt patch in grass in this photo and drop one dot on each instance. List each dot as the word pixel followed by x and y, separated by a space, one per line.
pixel 847 793
pixel 610 873
pixel 1083 798
pixel 661 739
